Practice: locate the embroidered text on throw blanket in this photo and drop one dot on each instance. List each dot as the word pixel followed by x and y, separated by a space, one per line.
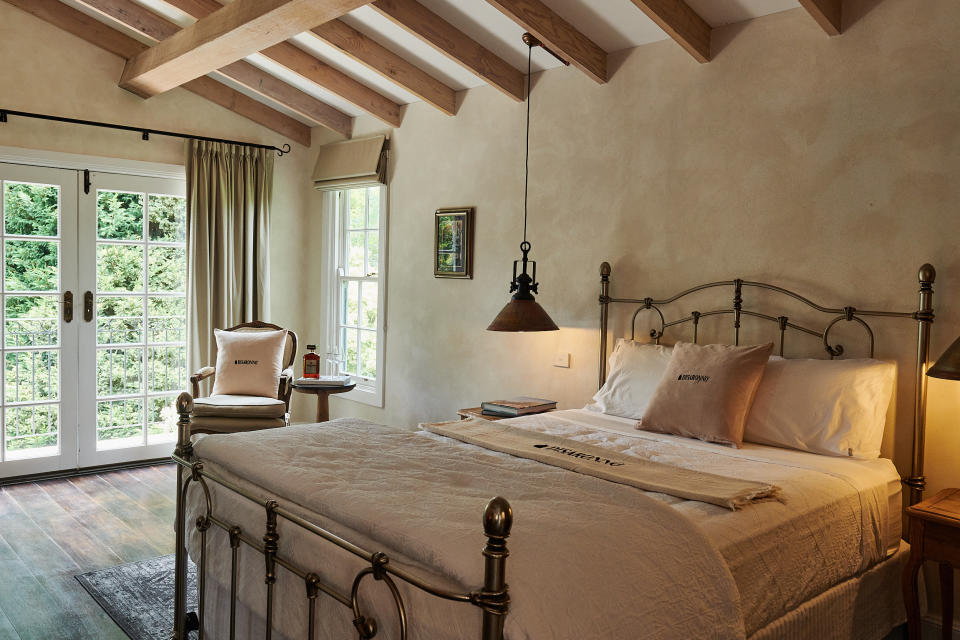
pixel 648 475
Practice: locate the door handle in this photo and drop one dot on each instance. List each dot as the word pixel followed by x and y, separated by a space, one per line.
pixel 68 306
pixel 88 306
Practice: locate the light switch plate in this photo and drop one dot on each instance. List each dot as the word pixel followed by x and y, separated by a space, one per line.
pixel 562 359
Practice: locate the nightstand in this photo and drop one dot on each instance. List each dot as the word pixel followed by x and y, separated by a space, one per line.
pixel 935 536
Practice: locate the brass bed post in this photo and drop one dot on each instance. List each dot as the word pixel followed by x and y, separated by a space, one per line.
pixel 604 311
pixel 924 316
pixel 495 598
pixel 184 450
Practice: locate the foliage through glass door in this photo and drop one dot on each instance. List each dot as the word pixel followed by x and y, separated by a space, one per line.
pixel 141 316
pixel 31 340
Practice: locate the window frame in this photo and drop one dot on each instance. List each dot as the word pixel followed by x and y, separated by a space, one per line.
pixel 336 240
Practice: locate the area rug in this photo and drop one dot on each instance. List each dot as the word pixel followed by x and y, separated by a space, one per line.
pixel 139 595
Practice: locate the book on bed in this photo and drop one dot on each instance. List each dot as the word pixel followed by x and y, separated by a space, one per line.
pixel 519 406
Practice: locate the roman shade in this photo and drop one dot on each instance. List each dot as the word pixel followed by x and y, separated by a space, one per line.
pixel 352 164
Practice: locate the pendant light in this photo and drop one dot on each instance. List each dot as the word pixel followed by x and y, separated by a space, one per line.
pixel 523 312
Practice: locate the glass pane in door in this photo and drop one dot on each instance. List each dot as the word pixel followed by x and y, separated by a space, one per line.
pixel 31 320
pixel 141 317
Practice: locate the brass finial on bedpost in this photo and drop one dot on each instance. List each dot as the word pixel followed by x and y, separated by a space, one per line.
pixel 184 447
pixel 604 307
pixel 494 599
pixel 924 316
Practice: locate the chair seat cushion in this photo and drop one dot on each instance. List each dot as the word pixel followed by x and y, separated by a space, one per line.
pixel 214 424
pixel 232 406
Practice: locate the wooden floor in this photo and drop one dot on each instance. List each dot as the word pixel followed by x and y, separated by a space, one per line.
pixel 52 530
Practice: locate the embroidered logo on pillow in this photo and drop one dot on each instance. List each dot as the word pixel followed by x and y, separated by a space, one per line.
pixel 693 377
pixel 254 362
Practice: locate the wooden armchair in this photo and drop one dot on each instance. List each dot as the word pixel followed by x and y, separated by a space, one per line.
pixel 229 414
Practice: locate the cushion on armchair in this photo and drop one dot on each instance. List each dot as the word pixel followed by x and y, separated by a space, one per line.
pixel 249 362
pixel 231 406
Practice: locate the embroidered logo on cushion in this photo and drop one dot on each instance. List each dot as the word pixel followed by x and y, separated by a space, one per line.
pixel 246 362
pixel 693 377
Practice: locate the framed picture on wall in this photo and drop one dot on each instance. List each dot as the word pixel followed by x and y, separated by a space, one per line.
pixel 453 243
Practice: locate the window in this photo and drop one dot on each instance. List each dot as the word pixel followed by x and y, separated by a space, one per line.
pixel 356 231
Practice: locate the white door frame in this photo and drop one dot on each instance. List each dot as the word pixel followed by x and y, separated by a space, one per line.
pixel 89 455
pixel 67 181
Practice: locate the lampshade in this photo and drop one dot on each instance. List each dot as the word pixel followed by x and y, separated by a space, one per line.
pixel 947 365
pixel 522 315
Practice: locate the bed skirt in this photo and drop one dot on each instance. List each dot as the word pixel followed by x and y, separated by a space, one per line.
pixel 865 607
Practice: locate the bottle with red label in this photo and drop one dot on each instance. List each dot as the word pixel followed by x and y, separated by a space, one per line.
pixel 311 362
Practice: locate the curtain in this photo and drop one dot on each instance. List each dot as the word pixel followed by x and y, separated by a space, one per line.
pixel 229 190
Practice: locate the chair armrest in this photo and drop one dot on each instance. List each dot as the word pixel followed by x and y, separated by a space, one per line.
pixel 202 374
pixel 286 386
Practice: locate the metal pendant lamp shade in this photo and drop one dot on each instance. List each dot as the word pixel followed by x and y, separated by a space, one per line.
pixel 523 312
pixel 947 365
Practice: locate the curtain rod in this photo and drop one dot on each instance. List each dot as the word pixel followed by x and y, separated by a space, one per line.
pixel 145 132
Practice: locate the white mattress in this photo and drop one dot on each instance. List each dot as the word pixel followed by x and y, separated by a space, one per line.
pixel 840 516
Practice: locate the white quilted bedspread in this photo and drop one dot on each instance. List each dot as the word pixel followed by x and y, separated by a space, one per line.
pixel 589 558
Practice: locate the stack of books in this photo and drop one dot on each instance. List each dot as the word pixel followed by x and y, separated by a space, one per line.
pixel 324 381
pixel 520 406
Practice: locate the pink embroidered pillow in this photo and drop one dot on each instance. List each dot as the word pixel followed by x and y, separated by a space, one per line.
pixel 249 362
pixel 707 391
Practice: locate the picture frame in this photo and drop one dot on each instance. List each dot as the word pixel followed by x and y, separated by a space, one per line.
pixel 453 243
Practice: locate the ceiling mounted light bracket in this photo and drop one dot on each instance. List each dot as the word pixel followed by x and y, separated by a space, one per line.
pixel 532 41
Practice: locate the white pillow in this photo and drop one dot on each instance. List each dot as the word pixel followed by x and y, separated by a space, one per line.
pixel 635 371
pixel 831 407
pixel 249 362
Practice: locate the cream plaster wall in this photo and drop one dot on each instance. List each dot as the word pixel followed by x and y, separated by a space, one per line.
pixel 47 70
pixel 824 164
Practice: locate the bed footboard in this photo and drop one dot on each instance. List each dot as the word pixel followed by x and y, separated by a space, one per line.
pixel 493 599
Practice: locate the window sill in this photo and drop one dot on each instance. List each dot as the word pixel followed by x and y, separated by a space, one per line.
pixel 372 396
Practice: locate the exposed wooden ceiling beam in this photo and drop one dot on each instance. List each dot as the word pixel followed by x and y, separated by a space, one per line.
pixel 827 13
pixel 557 34
pixel 302 63
pixel 157 28
pixel 681 23
pixel 319 72
pixel 289 96
pixel 388 64
pixel 364 50
pixel 225 36
pixel 99 34
pixel 81 25
pixel 453 43
pixel 249 108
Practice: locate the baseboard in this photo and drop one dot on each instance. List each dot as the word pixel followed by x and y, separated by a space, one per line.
pixel 85 471
pixel 932 629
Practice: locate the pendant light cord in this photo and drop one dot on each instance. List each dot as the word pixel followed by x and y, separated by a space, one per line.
pixel 526 175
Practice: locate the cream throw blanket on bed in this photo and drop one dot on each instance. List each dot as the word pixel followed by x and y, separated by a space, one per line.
pixel 648 475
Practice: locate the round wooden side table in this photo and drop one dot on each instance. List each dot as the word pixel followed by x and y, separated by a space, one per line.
pixel 323 397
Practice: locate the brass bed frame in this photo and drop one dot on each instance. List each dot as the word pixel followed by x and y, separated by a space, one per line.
pixel 923 316
pixel 492 599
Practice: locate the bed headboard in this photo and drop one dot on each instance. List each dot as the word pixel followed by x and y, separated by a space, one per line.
pixel 923 316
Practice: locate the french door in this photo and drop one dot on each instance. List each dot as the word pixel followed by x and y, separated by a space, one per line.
pixel 93 331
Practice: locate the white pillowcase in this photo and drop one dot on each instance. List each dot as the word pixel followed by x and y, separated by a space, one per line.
pixel 830 407
pixel 635 371
pixel 249 362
